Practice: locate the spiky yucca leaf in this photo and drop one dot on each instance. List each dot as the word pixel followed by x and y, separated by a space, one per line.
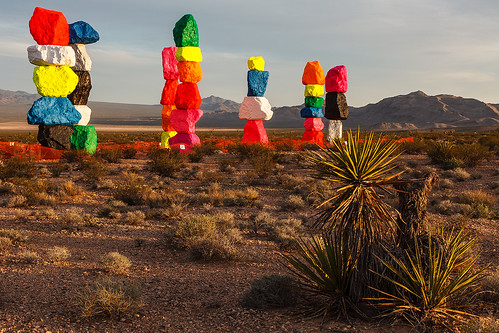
pixel 429 282
pixel 362 168
pixel 325 265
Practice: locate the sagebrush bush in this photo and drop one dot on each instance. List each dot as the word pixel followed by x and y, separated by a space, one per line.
pixel 115 262
pixel 270 292
pixel 29 257
pixel 69 189
pixel 218 247
pixel 480 203
pixel 260 222
pixel 132 189
pixel 58 253
pixel 108 297
pixel 166 162
pixel 134 218
pixel 285 232
pixel 293 202
pixel 18 167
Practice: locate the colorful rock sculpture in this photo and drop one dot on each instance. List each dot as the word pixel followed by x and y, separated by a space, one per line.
pixel 187 110
pixel 336 108
pixel 63 80
pixel 171 75
pixel 313 79
pixel 255 107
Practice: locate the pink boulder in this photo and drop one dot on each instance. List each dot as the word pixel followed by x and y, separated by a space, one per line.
pixel 254 132
pixel 169 92
pixel 170 71
pixel 184 141
pixel 313 137
pixel 184 121
pixel 49 27
pixel 187 96
pixel 336 79
pixel 313 124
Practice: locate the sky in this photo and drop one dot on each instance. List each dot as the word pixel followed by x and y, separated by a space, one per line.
pixel 390 47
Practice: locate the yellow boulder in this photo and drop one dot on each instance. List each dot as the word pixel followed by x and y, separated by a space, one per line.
pixel 256 64
pixel 165 136
pixel 314 90
pixel 189 53
pixel 54 81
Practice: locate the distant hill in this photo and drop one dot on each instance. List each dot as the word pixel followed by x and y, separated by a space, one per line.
pixel 415 110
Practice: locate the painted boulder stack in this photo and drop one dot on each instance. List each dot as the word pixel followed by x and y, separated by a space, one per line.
pixel 255 107
pixel 336 102
pixel 187 100
pixel 61 78
pixel 313 79
pixel 171 75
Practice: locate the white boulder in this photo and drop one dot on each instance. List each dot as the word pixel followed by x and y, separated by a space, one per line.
pixel 44 55
pixel 83 61
pixel 255 108
pixel 85 112
pixel 335 130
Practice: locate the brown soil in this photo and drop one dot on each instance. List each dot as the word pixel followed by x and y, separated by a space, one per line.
pixel 179 294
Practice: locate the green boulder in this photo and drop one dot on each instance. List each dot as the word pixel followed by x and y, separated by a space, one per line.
pixel 185 32
pixel 314 102
pixel 84 137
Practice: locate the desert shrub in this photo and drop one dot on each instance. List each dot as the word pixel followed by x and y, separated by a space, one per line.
pixel 293 202
pixel 93 168
pixel 72 216
pixel 270 292
pixel 480 203
pixel 57 168
pixel 246 197
pixel 244 151
pixel 260 222
pixel 431 283
pixel 5 243
pixel 166 162
pixel 38 193
pixel 446 183
pixel 490 287
pixel 263 162
pixel 129 152
pixel 72 156
pixel 458 174
pixel 115 262
pixel 480 325
pixel 205 238
pixel 419 146
pixel 200 151
pixel 134 218
pixel 18 167
pixel 285 232
pixel 451 156
pixel 132 189
pixel 29 257
pixel 228 165
pixel 111 155
pixel 176 206
pixel 70 189
pixel 108 297
pixel 16 236
pixel 58 253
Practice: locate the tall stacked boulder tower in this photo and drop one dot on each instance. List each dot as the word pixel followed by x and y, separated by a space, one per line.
pixel 187 101
pixel 336 108
pixel 313 79
pixel 62 79
pixel 255 107
pixel 171 75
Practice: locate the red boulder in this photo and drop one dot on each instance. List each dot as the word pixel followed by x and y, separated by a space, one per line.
pixel 254 132
pixel 313 137
pixel 187 96
pixel 49 27
pixel 169 91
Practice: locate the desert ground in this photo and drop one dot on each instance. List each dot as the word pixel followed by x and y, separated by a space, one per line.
pixel 67 216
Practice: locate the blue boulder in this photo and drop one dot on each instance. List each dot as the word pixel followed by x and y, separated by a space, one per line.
pixel 311 112
pixel 82 33
pixel 53 111
pixel 257 83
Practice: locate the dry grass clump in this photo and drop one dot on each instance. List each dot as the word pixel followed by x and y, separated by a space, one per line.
pixel 293 202
pixel 93 169
pixel 72 156
pixel 458 174
pixel 58 254
pixel 37 193
pixel 217 196
pixel 133 190
pixel 270 292
pixel 29 257
pixel 5 243
pixel 18 168
pixel 111 155
pixel 206 237
pixel 451 156
pixel 260 222
pixel 134 218
pixel 228 165
pixel 57 168
pixel 69 189
pixel 115 262
pixel 480 325
pixel 72 216
pixel 446 183
pixel 285 232
pixel 108 297
pixel 16 236
pixel 480 204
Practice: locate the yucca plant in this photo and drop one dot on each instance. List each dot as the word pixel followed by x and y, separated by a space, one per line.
pixel 326 265
pixel 357 211
pixel 431 284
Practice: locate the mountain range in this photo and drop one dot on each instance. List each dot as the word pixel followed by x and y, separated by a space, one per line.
pixel 412 111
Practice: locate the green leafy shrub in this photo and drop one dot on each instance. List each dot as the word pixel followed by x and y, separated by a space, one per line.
pixel 270 292
pixel 108 297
